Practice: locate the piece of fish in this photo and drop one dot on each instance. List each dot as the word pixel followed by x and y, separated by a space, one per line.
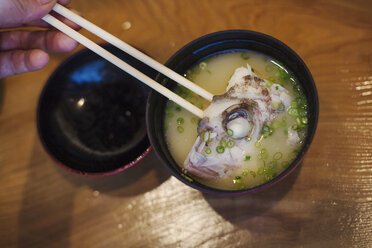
pixel 233 122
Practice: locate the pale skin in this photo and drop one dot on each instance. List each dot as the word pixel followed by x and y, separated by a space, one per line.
pixel 24 51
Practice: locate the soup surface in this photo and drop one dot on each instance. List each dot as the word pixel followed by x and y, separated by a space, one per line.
pixel 279 140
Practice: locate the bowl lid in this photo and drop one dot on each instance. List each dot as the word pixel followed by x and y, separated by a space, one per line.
pixel 91 114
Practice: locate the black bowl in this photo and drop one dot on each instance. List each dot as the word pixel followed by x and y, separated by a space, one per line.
pixel 216 43
pixel 91 114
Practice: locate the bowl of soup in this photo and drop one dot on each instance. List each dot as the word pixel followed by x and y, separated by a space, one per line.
pixel 258 126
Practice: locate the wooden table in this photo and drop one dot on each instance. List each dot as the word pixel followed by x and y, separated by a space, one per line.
pixel 326 202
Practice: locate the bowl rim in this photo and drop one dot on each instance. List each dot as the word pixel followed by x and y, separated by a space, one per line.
pixel 293 165
pixel 57 161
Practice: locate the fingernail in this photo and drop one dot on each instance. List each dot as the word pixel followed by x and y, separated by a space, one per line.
pixel 42 2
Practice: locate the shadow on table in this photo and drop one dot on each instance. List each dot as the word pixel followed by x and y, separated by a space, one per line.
pixel 47 204
pixel 241 210
pixel 142 177
pixel 49 193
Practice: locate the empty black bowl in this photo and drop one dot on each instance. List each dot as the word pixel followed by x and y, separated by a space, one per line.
pixel 216 43
pixel 91 114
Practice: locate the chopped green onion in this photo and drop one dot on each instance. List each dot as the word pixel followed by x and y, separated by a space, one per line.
pixel 272 165
pixel 275 105
pixel 260 171
pixel 298 120
pixel 206 135
pixel 231 143
pixel 265 128
pixel 294 127
pixel 223 143
pixel 278 155
pixel 220 149
pixel 248 139
pixel 269 84
pixel 188 178
pixel 276 124
pixel 300 100
pixel 230 132
pixel 277 87
pixel 293 154
pixel 283 74
pixel 285 164
pixel 180 129
pixel 304 120
pixel 203 65
pixel 244 56
pixel 293 112
pixel 269 176
pixel 257 144
pixel 237 180
pixel 180 121
pixel 178 108
pixel 300 123
pixel 294 104
pixel 208 150
pixel 265 155
pixel 281 107
pixel 260 156
pixel 244 173
pixel 302 112
pixel 297 89
pixel 252 69
pixel 247 158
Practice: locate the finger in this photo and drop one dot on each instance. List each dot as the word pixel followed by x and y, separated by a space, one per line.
pixel 64 2
pixel 18 12
pixel 47 40
pixel 71 24
pixel 16 62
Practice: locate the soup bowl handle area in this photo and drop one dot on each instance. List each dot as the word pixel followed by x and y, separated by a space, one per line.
pixel 210 45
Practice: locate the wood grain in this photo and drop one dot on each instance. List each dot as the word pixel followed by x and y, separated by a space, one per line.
pixel 326 202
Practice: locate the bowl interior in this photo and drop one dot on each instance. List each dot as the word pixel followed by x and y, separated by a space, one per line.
pixel 207 46
pixel 91 114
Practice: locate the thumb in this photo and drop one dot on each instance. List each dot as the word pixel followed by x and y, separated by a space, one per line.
pixel 14 13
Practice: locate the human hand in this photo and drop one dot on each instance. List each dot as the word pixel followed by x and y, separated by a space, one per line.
pixel 24 51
